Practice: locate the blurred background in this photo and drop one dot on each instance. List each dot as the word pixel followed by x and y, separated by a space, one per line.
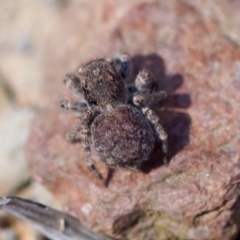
pixel 42 40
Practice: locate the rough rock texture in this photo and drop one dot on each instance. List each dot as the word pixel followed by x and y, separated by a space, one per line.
pixel 193 49
pixel 14 130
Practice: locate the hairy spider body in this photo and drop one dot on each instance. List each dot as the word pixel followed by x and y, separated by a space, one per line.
pixel 123 135
pixel 102 85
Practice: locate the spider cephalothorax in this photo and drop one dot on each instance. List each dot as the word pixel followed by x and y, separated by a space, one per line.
pixel 102 85
pixel 116 122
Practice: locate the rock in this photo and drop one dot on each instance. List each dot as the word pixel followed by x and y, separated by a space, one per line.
pixel 14 130
pixel 196 59
pixel 22 34
pixel 4 103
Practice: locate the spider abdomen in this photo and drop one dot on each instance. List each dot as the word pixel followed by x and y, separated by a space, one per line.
pixel 123 137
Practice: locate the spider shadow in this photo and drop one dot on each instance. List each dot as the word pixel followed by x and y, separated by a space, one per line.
pixel 176 123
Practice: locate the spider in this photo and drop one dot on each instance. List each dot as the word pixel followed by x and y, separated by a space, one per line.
pixel 115 118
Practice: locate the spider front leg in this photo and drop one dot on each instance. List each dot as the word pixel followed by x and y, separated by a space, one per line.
pixel 146 94
pixel 72 83
pixel 144 82
pixel 161 134
pixel 149 99
pixel 122 63
pixel 72 106
pixel 85 135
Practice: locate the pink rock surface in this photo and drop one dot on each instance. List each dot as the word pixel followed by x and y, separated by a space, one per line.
pixel 196 59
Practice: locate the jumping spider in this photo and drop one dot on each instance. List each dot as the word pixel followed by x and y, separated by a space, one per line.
pixel 116 117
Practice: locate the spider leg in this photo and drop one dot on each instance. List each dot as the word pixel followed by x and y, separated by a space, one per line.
pixel 72 106
pixel 146 96
pixel 85 134
pixel 161 134
pixel 143 90
pixel 123 64
pixel 144 82
pixel 76 107
pixel 72 83
pixel 72 134
pixel 148 99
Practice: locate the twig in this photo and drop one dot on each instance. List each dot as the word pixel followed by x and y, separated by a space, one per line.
pixel 53 224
